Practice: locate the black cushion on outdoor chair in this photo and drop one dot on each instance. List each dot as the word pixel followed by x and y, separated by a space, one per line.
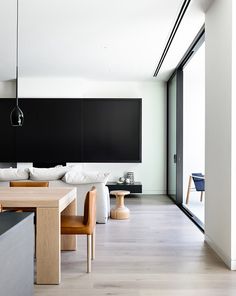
pixel 199 182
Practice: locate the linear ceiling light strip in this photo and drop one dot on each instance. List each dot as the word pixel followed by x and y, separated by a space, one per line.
pixel 172 34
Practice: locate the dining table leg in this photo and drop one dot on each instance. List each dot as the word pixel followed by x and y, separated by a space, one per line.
pixel 48 246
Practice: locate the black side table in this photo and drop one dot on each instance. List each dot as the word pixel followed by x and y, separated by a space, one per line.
pixel 133 188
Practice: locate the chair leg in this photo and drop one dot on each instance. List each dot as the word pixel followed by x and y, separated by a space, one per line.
pixel 93 243
pixel 201 198
pixel 88 253
pixel 188 191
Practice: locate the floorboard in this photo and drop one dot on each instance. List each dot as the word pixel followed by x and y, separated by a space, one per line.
pixel 158 251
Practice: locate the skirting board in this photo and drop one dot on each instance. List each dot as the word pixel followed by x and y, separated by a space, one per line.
pixel 231 264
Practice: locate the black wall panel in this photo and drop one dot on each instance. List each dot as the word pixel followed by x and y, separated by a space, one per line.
pixel 51 131
pixel 72 130
pixel 7 132
pixel 113 128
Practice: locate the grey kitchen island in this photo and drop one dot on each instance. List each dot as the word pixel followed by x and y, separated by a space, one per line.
pixel 16 254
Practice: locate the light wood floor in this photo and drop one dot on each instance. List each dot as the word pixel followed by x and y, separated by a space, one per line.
pixel 158 251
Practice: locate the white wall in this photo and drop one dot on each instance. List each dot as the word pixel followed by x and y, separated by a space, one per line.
pixel 220 225
pixel 8 89
pixel 8 39
pixel 152 171
pixel 233 134
pixel 194 118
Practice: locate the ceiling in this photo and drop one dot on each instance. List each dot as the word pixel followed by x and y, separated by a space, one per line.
pixel 95 40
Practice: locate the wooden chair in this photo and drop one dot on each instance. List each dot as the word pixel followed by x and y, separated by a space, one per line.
pixel 26 184
pixel 29 184
pixel 199 183
pixel 83 225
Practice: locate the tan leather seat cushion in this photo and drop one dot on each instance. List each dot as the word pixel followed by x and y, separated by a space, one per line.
pixel 73 225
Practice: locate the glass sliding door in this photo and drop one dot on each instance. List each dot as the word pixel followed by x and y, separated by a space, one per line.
pixel 194 130
pixel 175 137
pixel 186 127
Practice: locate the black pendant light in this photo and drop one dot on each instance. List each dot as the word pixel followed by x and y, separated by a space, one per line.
pixel 17 116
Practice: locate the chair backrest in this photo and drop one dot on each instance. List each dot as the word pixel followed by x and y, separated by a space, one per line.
pixel 29 184
pixel 199 181
pixel 90 210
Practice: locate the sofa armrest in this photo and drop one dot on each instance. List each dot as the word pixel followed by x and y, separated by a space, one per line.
pixel 103 199
pixel 108 201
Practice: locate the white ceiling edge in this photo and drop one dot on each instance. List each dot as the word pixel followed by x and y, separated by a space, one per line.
pixel 96 40
pixel 74 87
pixel 97 63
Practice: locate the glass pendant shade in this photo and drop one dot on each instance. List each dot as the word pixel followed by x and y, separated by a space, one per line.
pixel 16 117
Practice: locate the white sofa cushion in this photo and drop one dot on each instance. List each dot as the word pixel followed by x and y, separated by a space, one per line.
pixel 77 177
pixel 48 174
pixel 11 174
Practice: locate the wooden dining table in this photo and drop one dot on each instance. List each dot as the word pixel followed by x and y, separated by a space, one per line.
pixel 49 204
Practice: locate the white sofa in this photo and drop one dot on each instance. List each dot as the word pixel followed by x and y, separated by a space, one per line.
pixel 103 198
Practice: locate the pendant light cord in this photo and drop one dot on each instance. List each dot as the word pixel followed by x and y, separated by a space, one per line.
pixel 17 44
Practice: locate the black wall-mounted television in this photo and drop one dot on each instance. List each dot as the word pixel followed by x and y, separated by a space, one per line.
pixel 72 130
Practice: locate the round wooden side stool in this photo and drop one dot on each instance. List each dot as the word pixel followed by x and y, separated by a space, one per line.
pixel 120 211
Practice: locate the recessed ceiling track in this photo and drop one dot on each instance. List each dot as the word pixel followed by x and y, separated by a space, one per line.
pixel 172 34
